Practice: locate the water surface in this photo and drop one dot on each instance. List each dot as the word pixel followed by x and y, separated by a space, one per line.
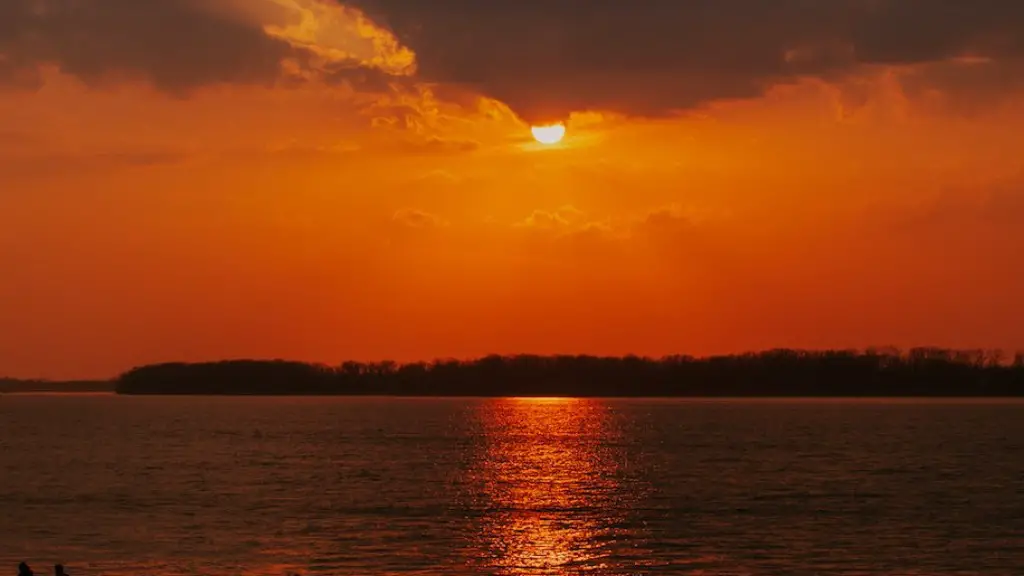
pixel 168 486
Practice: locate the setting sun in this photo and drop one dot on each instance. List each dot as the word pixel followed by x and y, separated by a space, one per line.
pixel 550 134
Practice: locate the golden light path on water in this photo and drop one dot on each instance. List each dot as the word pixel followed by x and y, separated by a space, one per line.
pixel 554 495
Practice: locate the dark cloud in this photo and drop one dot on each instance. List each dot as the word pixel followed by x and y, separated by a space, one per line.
pixel 172 43
pixel 15 70
pixel 177 45
pixel 546 58
pixel 969 87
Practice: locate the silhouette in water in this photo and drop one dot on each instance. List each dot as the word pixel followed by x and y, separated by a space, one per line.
pixel 24 570
pixel 875 372
pixel 58 570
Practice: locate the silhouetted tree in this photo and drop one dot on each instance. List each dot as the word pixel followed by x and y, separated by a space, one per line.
pixel 781 372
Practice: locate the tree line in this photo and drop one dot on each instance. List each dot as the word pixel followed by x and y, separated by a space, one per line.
pixel 873 372
pixel 15 385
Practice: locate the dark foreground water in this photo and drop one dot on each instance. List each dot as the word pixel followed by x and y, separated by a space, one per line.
pixel 211 486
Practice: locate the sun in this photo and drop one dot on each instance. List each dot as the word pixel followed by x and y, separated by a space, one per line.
pixel 549 134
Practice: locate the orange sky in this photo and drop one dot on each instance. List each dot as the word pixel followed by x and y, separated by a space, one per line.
pixel 362 193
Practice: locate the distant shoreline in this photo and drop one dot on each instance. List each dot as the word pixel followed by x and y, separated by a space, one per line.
pixel 111 391
pixel 777 374
pixel 917 373
pixel 13 386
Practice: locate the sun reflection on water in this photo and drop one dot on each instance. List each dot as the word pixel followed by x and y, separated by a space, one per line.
pixel 551 490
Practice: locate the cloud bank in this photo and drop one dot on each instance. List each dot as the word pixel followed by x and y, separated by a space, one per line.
pixel 547 58
pixel 543 58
